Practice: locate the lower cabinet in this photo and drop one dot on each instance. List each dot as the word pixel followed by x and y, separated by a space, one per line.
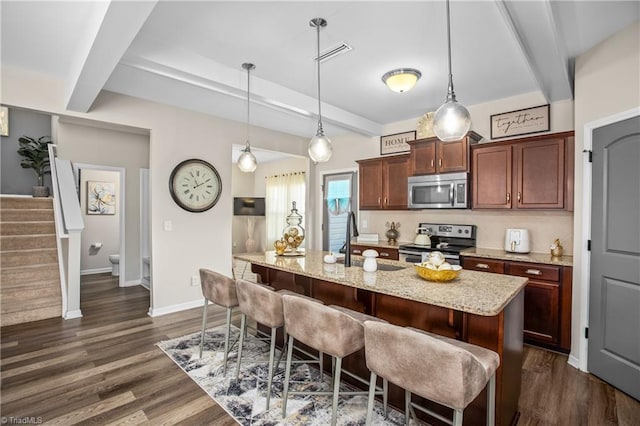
pixel 547 299
pixel 383 252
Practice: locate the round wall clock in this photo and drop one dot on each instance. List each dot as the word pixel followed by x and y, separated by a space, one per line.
pixel 425 126
pixel 195 185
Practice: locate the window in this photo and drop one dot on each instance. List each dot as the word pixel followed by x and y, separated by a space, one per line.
pixel 281 191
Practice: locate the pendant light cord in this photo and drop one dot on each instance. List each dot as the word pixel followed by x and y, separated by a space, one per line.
pixel 450 94
pixel 248 104
pixel 320 130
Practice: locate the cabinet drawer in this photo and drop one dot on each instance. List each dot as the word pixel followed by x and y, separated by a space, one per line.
pixel 389 254
pixel 357 249
pixel 532 270
pixel 483 265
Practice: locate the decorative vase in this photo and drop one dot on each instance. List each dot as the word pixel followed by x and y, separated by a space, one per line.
pixel 293 233
pixel 40 191
pixel 392 233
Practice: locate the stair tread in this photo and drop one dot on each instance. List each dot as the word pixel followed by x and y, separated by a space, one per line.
pixel 6 288
pixel 34 266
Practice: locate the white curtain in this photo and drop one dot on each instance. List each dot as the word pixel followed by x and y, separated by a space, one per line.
pixel 281 191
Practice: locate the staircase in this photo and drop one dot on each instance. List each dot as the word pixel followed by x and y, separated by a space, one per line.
pixel 30 278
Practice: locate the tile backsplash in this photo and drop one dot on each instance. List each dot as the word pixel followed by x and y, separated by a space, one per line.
pixel 544 226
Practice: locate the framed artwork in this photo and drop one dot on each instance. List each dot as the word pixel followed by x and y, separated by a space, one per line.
pixel 520 122
pixel 4 121
pixel 101 198
pixel 396 143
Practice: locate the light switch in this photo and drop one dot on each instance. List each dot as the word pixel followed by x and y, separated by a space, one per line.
pixel 168 225
pixel 365 224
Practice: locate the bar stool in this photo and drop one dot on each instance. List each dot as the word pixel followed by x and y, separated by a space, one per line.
pixel 443 370
pixel 338 333
pixel 221 290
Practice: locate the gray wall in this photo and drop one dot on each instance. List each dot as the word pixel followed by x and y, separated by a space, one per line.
pixel 14 179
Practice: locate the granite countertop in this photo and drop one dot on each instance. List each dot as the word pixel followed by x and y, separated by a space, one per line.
pixel 543 258
pixel 380 243
pixel 479 293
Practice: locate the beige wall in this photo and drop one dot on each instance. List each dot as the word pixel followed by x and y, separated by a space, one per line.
pixel 197 239
pixel 100 146
pixel 491 225
pixel 103 229
pixel 242 185
pixel 607 82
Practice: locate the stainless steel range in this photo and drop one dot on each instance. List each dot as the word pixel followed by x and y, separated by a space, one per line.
pixel 445 238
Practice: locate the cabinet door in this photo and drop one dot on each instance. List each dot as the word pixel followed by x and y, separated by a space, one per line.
pixel 492 177
pixel 423 158
pixel 452 156
pixel 388 253
pixel 395 181
pixel 370 185
pixel 541 312
pixel 483 265
pixel 539 171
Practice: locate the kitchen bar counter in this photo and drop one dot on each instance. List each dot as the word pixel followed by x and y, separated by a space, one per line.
pixel 479 308
pixel 542 258
pixel 473 292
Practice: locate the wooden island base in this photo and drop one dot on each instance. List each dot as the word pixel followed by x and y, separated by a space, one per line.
pixel 501 333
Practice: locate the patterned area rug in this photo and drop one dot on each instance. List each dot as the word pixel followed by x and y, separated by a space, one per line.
pixel 245 399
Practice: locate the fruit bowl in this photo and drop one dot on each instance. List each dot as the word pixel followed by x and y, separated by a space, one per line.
pixel 434 275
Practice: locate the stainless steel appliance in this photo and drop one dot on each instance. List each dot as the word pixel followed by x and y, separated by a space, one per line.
pixel 447 191
pixel 445 238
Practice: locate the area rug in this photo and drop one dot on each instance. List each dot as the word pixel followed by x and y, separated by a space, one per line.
pixel 245 399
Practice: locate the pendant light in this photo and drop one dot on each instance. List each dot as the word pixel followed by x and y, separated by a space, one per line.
pixel 320 148
pixel 452 120
pixel 247 161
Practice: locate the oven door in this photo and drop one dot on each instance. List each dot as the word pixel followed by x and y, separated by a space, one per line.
pixel 410 256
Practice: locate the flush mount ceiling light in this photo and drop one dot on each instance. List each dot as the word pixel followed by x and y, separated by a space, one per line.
pixel 247 161
pixel 401 79
pixel 320 148
pixel 452 120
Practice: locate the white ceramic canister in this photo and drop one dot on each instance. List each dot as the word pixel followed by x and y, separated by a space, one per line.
pixel 370 264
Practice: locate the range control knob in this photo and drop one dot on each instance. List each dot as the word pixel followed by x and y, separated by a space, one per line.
pixel 466 231
pixel 459 231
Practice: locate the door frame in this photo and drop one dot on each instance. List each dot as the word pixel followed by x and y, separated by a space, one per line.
pixel 77 167
pixel 320 199
pixel 585 271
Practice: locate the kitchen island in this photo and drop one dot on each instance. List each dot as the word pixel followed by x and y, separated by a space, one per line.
pixel 480 308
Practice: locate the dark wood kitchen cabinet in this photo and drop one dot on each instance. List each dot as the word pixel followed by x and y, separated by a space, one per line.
pixel 383 252
pixel 531 173
pixel 547 299
pixel 383 183
pixel 431 155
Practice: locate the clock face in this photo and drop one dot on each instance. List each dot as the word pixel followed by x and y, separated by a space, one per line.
pixel 195 185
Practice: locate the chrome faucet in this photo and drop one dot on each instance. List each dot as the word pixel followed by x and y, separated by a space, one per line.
pixel 351 221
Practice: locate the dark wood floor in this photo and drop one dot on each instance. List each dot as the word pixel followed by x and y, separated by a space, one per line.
pixel 104 368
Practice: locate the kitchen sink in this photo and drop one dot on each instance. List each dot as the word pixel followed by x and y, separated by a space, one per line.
pixel 381 266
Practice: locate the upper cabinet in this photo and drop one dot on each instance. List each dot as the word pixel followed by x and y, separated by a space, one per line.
pixel 431 155
pixel 530 173
pixel 383 183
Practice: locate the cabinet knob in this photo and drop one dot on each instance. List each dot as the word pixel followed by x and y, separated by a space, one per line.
pixel 533 272
pixel 432 163
pixel 356 251
pixel 378 200
pixel 440 162
pixel 482 266
pixel 519 196
pixel 508 197
pixel 383 254
pixel 386 202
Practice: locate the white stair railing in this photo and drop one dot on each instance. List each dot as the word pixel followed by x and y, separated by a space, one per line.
pixel 69 226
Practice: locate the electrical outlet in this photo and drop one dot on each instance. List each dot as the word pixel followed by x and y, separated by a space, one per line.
pixel 365 224
pixel 168 225
pixel 194 281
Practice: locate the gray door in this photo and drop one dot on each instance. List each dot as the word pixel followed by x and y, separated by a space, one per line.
pixel 614 297
pixel 340 196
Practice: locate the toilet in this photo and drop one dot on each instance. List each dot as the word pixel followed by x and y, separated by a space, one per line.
pixel 115 264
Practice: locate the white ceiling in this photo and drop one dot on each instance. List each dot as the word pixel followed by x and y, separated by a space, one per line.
pixel 189 54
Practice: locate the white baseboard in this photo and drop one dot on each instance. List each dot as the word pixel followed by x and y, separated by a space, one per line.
pixel 574 362
pixel 131 283
pixel 156 312
pixel 73 314
pixel 95 271
pixel 145 285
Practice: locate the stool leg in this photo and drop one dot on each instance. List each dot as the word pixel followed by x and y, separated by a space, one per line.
pixel 336 390
pixel 243 330
pixel 372 393
pixel 204 324
pixel 457 417
pixel 491 401
pixel 385 396
pixel 226 341
pixel 407 407
pixel 287 373
pixel 321 362
pixel 272 355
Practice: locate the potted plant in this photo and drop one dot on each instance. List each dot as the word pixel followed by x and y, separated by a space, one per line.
pixel 36 157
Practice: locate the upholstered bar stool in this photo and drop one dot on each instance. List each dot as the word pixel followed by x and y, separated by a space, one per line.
pixel 443 370
pixel 221 290
pixel 334 332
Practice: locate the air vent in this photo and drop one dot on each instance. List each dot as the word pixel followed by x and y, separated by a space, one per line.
pixel 334 51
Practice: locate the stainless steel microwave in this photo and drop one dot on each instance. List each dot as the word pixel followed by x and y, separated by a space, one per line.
pixel 446 191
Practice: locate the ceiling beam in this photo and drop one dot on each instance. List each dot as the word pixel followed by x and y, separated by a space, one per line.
pixel 535 29
pixel 109 32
